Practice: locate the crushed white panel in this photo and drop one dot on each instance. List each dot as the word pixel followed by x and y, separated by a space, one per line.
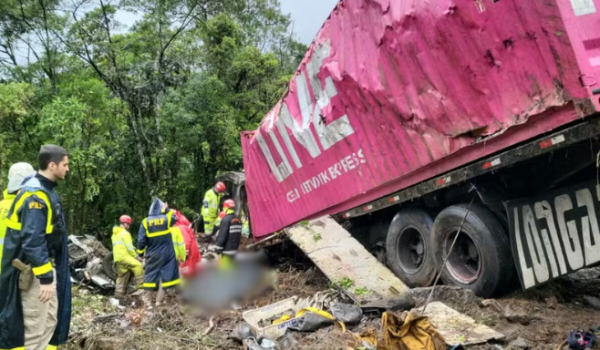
pixel 457 328
pixel 583 7
pixel 341 257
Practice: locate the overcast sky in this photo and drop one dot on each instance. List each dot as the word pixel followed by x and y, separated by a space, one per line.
pixel 307 16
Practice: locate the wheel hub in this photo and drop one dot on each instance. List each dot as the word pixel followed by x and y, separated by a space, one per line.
pixel 464 261
pixel 411 249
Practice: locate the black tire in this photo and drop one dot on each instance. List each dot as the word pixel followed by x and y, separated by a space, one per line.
pixel 109 267
pixel 481 259
pixel 408 251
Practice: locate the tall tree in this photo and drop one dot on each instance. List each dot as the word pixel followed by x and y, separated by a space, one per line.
pixel 153 108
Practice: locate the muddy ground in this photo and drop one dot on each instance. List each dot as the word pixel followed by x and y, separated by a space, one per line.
pixel 542 317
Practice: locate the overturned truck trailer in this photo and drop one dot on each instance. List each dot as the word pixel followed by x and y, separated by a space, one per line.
pixel 404 112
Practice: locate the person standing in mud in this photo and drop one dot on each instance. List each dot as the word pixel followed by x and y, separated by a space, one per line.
pixel 155 243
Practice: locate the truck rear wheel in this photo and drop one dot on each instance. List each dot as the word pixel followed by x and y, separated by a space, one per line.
pixel 481 259
pixel 408 248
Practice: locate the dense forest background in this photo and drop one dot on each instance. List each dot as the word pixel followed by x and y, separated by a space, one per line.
pixel 149 109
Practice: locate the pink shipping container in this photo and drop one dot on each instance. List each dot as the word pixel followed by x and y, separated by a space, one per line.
pixel 395 92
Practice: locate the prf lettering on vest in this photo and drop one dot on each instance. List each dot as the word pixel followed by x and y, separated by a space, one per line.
pixel 328 135
pixel 35 205
pixel 156 222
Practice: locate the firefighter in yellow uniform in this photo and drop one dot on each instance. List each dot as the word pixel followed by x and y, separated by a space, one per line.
pixel 16 174
pixel 125 257
pixel 210 206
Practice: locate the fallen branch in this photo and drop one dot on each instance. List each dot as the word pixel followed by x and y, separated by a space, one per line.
pixel 211 326
pixel 105 318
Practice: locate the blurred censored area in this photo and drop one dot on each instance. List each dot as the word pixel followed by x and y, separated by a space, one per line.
pixel 219 287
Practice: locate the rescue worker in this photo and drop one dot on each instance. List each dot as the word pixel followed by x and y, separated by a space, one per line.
pixel 191 264
pixel 217 225
pixel 230 235
pixel 125 257
pixel 210 206
pixel 155 242
pixel 35 298
pixel 16 174
pixel 178 243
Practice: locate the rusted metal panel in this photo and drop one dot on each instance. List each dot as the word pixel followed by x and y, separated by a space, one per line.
pixel 392 93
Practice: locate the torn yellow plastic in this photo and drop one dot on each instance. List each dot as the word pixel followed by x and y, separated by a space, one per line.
pixel 282 319
pixel 321 313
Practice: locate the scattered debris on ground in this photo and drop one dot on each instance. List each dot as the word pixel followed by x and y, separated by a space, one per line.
pixel 537 319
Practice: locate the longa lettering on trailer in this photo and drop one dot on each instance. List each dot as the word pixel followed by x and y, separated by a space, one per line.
pixel 328 135
pixel 555 234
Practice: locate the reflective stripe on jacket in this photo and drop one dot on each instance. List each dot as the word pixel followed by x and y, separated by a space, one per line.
pixel 230 233
pixel 122 244
pixel 155 241
pixel 5 204
pixel 210 209
pixel 36 232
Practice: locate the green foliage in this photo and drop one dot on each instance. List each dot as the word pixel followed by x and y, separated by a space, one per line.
pixel 362 291
pixel 153 109
pixel 345 283
pixel 15 124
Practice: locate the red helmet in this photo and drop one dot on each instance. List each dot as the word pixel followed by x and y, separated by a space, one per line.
pixel 230 203
pixel 125 219
pixel 220 187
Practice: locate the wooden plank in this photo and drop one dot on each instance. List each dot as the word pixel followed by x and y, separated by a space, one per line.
pixel 341 257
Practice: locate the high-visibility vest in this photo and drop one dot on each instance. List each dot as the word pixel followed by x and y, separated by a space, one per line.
pixel 5 204
pixel 122 244
pixel 14 222
pixel 178 243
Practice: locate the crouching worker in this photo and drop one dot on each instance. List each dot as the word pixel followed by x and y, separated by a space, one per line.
pixel 125 257
pixel 229 236
pixel 155 241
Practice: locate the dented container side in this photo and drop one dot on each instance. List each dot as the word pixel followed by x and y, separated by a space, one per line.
pixel 582 24
pixel 393 91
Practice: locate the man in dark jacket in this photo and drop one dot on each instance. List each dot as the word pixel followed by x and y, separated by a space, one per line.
pixel 230 234
pixel 35 284
pixel 156 244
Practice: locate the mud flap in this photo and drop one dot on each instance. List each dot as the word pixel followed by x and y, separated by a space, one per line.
pixel 346 262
